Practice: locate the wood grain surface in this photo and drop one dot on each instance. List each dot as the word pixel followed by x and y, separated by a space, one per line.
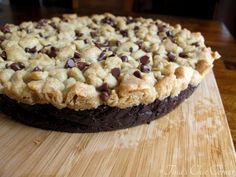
pixel 193 140
pixel 226 80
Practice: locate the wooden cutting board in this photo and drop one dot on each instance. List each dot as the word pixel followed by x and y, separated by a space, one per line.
pixel 193 140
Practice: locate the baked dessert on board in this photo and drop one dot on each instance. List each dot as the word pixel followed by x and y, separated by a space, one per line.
pixel 98 73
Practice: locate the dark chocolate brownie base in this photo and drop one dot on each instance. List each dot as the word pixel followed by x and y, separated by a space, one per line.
pixel 103 118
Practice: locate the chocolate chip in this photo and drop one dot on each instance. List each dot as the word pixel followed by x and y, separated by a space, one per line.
pixel 53 52
pixel 77 55
pixel 21 29
pixel 2 38
pixel 37 69
pixel 105 43
pixel 6 29
pixel 118 43
pixel 43 21
pixel 163 38
pixel 86 41
pixel 70 63
pixel 145 68
pixel 4 55
pixel 100 45
pixel 112 55
pixel 17 66
pixel 103 88
pixel 41 34
pixel 93 34
pixel 131 49
pixel 78 33
pixel 108 20
pixel 82 65
pixel 65 19
pixel 31 50
pixel 144 60
pixel 53 24
pixel 169 34
pixel 115 72
pixel 104 96
pixel 94 20
pixel 136 28
pixel 124 58
pixel 102 56
pixel 145 49
pixel 139 43
pixel 28 30
pixel 161 28
pixel 183 55
pixel 130 20
pixel 196 44
pixel 124 33
pixel 173 40
pixel 53 49
pixel 137 74
pixel 171 56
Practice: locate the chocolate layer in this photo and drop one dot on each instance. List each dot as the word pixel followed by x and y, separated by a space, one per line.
pixel 103 118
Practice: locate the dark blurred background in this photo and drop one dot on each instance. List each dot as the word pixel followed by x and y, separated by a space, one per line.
pixel 223 10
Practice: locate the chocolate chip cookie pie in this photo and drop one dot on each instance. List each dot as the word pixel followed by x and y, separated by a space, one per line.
pixel 98 73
